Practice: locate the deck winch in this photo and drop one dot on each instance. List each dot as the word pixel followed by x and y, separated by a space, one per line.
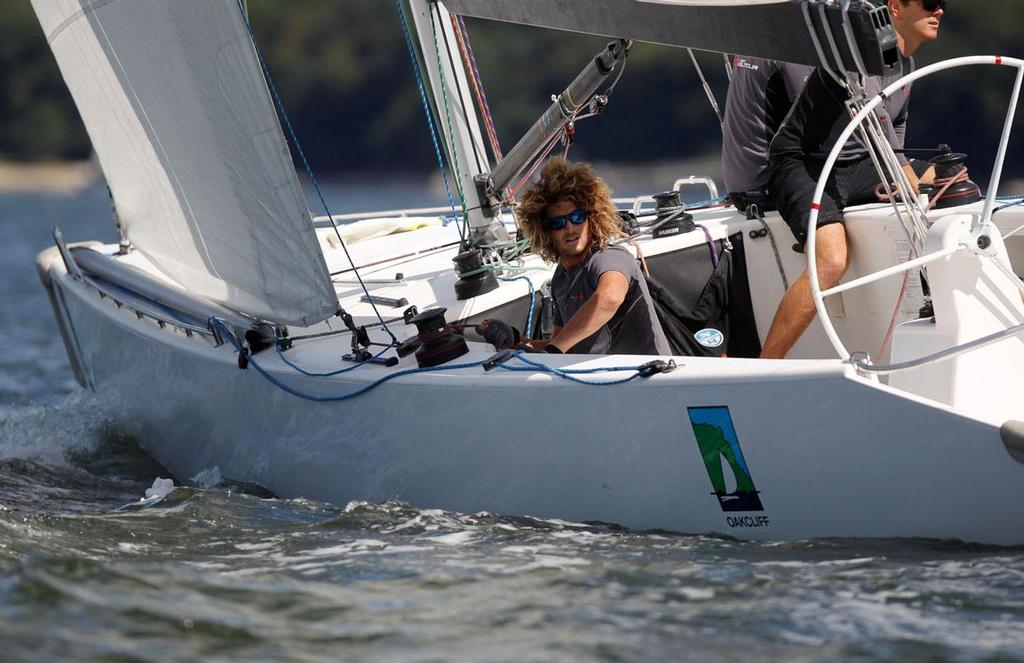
pixel 951 183
pixel 672 216
pixel 474 278
pixel 439 343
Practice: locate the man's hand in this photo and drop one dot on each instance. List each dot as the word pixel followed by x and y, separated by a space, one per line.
pixel 929 175
pixel 915 183
pixel 499 333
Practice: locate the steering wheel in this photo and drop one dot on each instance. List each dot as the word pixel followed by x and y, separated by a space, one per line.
pixel 978 240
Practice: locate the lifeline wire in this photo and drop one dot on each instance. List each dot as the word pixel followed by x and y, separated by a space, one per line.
pixel 305 162
pixel 427 113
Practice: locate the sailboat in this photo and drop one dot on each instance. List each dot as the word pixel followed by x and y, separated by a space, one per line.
pixel 330 358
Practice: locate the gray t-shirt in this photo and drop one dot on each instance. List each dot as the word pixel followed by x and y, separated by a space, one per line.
pixel 634 329
pixel 761 92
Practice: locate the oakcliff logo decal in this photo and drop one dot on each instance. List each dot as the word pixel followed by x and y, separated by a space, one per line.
pixel 718 442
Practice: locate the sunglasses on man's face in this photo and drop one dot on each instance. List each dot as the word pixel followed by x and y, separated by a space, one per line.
pixel 932 5
pixel 577 216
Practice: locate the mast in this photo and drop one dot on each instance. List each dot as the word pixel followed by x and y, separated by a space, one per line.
pixel 456 116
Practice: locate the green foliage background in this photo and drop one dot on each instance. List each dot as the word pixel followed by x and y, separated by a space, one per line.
pixel 344 73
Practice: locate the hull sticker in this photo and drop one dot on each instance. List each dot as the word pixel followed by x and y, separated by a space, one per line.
pixel 720 449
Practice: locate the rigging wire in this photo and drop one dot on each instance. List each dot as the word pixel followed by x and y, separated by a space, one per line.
pixel 513 190
pixel 567 134
pixel 887 339
pixel 453 152
pixel 481 160
pixel 305 162
pixel 707 89
pixel 622 70
pixel 462 34
pixel 429 115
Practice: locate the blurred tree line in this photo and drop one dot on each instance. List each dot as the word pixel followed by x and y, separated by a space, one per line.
pixel 344 73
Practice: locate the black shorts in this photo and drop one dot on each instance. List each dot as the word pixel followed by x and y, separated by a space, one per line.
pixel 793 181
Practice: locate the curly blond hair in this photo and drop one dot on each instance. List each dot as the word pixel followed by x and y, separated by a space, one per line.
pixel 561 180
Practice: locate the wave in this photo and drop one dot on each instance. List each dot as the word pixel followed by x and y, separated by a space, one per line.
pixel 56 432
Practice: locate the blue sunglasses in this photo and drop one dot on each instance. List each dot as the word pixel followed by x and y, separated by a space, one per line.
pixel 578 217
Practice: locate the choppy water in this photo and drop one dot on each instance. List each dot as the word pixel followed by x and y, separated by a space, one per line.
pixel 88 571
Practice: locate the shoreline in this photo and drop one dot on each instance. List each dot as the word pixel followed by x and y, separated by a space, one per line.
pixel 65 177
pixel 629 179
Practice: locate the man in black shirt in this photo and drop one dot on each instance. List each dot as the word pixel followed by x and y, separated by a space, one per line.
pixel 797 158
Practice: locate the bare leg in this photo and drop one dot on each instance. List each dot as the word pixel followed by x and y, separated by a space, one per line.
pixel 796 310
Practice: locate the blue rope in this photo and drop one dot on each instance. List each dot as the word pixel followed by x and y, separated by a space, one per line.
pixel 531 366
pixel 305 162
pixel 311 374
pixel 521 356
pixel 219 324
pixel 706 203
pixel 571 373
pixel 529 315
pixel 1018 201
pixel 428 114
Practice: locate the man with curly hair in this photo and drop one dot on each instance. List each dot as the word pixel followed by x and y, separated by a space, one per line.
pixel 601 301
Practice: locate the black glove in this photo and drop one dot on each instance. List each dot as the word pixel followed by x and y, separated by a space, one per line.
pixel 499 333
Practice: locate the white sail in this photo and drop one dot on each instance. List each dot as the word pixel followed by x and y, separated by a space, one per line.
pixel 174 100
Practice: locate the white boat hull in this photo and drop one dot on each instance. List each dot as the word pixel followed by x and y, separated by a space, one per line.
pixel 831 454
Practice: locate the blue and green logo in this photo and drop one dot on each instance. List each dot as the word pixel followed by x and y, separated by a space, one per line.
pixel 719 446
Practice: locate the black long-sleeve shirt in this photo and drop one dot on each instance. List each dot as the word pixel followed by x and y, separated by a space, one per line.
pixel 820 115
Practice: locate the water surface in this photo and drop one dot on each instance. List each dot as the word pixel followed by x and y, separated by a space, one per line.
pixel 218 571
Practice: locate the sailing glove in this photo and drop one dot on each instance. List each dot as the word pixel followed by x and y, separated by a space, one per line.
pixel 499 333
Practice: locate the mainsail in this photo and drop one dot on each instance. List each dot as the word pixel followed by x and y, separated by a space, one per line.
pixel 174 100
pixel 777 29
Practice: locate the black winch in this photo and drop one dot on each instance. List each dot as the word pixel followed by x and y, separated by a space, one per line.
pixel 964 192
pixel 439 343
pixel 473 278
pixel 672 216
